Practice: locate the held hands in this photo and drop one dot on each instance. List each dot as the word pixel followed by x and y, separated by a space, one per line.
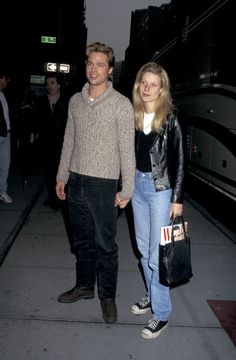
pixel 60 190
pixel 120 202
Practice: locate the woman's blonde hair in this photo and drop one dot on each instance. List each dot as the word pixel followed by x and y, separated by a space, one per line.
pixel 164 104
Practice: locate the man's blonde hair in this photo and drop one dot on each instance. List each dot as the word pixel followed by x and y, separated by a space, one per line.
pixel 107 50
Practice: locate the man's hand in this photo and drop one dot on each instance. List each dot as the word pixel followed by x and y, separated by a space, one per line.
pixel 121 202
pixel 60 190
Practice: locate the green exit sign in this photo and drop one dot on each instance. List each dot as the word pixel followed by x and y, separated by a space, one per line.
pixel 48 39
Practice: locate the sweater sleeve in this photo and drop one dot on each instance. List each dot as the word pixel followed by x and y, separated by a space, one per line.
pixel 125 134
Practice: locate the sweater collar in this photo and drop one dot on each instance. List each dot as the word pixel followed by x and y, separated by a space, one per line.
pixel 104 95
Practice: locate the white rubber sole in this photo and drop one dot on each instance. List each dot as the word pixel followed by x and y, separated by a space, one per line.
pixel 137 311
pixel 146 334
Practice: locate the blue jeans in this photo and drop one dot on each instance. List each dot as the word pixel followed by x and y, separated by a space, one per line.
pixel 151 211
pixel 93 219
pixel 5 155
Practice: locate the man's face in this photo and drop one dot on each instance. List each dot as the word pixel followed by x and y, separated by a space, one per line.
pixel 52 86
pixel 97 69
pixel 4 82
pixel 177 233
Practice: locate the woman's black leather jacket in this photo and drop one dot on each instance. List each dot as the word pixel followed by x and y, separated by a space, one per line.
pixel 167 159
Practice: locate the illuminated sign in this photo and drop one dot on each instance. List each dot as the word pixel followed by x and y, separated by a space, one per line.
pixel 54 67
pixel 48 39
pixel 37 79
pixel 65 68
pixel 51 67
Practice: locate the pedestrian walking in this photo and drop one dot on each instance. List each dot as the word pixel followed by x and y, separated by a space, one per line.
pixel 5 138
pixel 158 194
pixel 98 148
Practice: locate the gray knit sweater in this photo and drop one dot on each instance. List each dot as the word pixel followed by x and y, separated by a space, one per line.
pixel 99 138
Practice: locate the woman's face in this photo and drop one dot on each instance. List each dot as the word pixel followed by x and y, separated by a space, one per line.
pixel 150 87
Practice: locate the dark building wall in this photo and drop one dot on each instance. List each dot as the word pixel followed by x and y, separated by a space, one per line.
pixel 145 37
pixel 28 21
pixel 188 37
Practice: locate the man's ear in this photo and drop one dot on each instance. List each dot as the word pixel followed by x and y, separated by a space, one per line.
pixel 110 70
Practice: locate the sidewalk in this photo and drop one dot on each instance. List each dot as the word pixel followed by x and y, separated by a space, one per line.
pixel 39 266
pixel 12 216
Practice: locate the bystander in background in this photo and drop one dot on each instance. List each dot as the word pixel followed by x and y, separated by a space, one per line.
pixel 50 122
pixel 24 126
pixel 5 142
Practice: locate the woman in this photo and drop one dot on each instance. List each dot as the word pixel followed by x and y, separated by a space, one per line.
pixel 158 194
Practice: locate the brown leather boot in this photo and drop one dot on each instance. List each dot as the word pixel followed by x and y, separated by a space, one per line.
pixel 76 294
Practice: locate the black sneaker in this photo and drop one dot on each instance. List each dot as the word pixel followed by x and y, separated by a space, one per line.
pixel 153 329
pixel 109 310
pixel 141 307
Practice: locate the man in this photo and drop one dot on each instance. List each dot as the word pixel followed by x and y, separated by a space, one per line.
pixel 51 116
pixel 5 145
pixel 98 148
pixel 177 232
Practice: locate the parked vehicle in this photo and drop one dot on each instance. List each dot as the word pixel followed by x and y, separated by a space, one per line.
pixel 201 63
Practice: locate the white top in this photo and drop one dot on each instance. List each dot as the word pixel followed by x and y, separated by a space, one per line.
pixel 147 122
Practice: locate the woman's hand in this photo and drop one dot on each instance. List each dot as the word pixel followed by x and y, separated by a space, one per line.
pixel 176 210
pixel 120 201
